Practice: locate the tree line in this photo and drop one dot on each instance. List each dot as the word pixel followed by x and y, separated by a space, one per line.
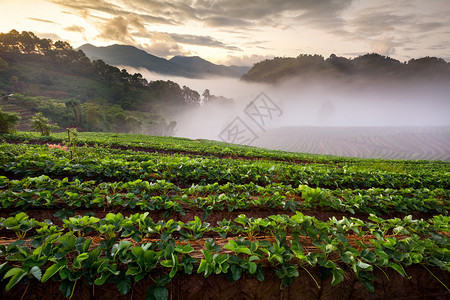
pixel 370 66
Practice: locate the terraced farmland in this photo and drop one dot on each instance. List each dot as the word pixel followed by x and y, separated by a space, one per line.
pixel 24 113
pixel 430 143
pixel 123 216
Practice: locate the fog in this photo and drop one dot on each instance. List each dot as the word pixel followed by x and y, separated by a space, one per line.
pixel 313 102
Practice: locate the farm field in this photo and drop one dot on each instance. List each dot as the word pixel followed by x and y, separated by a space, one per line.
pixel 414 143
pixel 139 217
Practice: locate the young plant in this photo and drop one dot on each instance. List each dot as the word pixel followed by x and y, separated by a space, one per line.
pixel 42 124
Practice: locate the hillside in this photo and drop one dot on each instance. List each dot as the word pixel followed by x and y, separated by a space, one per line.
pixel 192 67
pixel 371 67
pixel 70 89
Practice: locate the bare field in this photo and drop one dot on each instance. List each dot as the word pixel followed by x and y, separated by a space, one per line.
pixel 428 143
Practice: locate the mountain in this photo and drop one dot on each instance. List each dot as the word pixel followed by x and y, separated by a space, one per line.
pixel 184 66
pixel 198 65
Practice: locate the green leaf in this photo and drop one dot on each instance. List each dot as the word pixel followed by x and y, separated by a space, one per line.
pixel 102 279
pixel 36 272
pixel 12 272
pixel 77 261
pixel 66 287
pixel 203 266
pixel 397 268
pixel 253 257
pixel 52 270
pixel 161 293
pixel 366 279
pixel 236 272
pixel 338 276
pixel 167 263
pixel 363 265
pixel 124 285
pixel 184 249
pixel 157 293
pixel 259 274
pixel 17 274
pixel 244 250
pixel 252 267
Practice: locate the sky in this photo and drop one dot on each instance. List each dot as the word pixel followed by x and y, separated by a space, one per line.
pixel 242 32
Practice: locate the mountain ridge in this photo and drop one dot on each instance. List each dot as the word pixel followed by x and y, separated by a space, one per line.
pixel 184 66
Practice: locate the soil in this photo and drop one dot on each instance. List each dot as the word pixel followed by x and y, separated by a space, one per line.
pixel 422 285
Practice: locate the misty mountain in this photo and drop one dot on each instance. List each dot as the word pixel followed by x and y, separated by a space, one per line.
pixel 198 65
pixel 373 67
pixel 184 66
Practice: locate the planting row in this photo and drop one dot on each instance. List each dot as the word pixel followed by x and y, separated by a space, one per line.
pixel 105 165
pixel 124 250
pixel 44 192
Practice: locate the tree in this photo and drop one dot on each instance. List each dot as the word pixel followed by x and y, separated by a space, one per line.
pixel 190 96
pixel 133 124
pixel 92 115
pixel 42 124
pixel 8 121
pixel 14 80
pixel 4 67
pixel 206 95
pixel 75 106
pixel 119 120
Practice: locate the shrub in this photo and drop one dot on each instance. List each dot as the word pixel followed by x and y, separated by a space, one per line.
pixel 8 121
pixel 42 124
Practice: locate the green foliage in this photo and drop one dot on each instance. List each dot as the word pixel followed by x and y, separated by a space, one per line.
pixel 371 66
pixel 8 121
pixel 28 63
pixel 124 248
pixel 42 124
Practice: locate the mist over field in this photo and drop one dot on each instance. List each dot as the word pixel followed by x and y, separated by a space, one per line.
pixel 315 102
pixel 328 116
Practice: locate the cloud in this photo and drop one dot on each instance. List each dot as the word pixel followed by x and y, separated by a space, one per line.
pixel 116 29
pixel 386 25
pixel 75 28
pixel 384 46
pixel 201 40
pixel 42 20
pixel 122 29
pixel 244 60
pixel 224 21
pixel 224 13
pixel 166 50
pixel 162 44
pixel 377 21
pixel 48 35
pixel 114 8
pixel 428 26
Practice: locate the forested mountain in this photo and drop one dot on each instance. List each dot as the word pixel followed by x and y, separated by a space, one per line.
pixel 72 90
pixel 185 66
pixel 372 66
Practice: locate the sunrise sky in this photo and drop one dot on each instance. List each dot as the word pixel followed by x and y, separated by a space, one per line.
pixel 242 32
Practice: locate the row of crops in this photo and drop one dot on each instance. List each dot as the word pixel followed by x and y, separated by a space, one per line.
pixel 118 209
